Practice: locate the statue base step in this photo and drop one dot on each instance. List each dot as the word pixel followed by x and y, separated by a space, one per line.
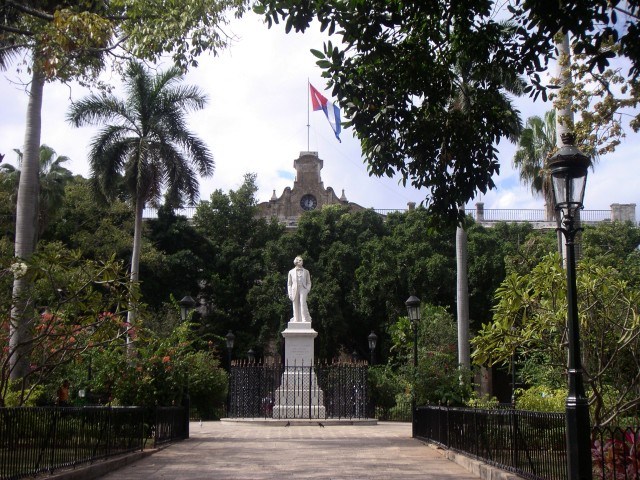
pixel 299 412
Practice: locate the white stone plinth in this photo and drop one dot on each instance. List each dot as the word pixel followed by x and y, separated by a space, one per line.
pixel 298 344
pixel 299 395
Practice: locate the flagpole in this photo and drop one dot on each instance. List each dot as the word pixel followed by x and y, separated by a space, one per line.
pixel 308 123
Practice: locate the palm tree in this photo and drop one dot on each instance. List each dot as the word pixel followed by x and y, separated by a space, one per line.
pixel 470 84
pixel 25 233
pixel 145 144
pixel 536 145
pixel 52 178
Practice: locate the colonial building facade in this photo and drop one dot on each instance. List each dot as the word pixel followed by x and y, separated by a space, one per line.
pixel 308 193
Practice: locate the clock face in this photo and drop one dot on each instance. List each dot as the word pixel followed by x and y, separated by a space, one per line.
pixel 308 202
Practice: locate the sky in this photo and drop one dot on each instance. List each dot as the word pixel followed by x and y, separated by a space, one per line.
pixel 256 122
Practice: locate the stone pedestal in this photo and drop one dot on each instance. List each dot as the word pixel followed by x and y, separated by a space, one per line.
pixel 299 395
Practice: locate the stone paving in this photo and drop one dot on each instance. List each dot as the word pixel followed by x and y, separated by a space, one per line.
pixel 229 451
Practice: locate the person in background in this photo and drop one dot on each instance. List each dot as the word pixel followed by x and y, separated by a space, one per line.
pixel 62 396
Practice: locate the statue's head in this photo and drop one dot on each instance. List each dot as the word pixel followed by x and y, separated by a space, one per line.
pixel 297 261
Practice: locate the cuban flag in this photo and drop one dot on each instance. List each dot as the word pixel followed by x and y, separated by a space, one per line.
pixel 330 109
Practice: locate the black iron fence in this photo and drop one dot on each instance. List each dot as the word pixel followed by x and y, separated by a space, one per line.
pixel 531 444
pixel 336 390
pixel 36 440
pixel 400 412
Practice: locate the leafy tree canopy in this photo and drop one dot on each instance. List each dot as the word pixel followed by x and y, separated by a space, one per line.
pixel 530 318
pixel 403 66
pixel 70 38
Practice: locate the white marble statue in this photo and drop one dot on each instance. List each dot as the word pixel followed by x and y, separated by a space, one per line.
pixel 298 286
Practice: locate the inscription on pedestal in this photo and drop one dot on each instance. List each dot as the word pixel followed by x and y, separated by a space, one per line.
pixel 298 354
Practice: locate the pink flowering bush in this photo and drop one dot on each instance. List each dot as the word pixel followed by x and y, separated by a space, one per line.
pixel 618 456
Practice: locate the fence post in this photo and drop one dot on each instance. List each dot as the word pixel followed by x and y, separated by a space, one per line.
pixel 514 438
pixel 186 405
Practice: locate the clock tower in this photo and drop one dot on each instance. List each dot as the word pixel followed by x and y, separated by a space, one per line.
pixel 308 193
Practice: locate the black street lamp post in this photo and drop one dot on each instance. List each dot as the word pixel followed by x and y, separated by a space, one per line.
pixel 373 340
pixel 569 167
pixel 413 310
pixel 230 339
pixel 186 304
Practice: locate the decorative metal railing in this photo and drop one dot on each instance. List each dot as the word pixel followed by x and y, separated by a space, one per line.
pixel 35 440
pixel 538 215
pixel 337 390
pixel 150 213
pixel 490 215
pixel 531 444
pixel 400 412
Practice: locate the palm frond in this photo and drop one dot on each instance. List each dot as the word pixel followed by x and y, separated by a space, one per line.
pixel 147 139
pixel 96 109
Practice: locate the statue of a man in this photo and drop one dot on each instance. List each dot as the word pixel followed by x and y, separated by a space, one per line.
pixel 298 286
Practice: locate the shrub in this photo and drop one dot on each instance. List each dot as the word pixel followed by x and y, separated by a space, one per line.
pixel 541 399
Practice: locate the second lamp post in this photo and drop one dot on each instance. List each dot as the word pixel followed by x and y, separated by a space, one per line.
pixel 413 310
pixel 373 340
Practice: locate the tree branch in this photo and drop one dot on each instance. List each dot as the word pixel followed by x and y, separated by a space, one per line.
pixel 7 28
pixel 627 12
pixel 30 11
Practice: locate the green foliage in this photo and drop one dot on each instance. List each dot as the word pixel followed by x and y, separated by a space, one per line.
pixel 439 380
pixel 161 372
pixel 95 228
pixel 14 396
pixel 541 399
pixel 237 282
pixel 207 383
pixel 385 385
pixel 482 401
pixel 492 252
pixel 424 84
pixel 79 305
pixel 173 259
pixel 530 319
pixel 615 244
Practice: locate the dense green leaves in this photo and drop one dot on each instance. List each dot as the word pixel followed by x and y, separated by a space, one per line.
pixel 79 303
pixel 72 39
pixel 67 41
pixel 438 379
pixel 424 84
pixel 530 318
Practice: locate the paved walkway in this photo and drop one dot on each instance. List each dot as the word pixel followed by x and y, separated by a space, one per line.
pixel 229 451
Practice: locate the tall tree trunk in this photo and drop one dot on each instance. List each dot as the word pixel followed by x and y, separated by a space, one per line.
pixel 462 298
pixel 135 259
pixel 564 114
pixel 26 228
pixel 564 124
